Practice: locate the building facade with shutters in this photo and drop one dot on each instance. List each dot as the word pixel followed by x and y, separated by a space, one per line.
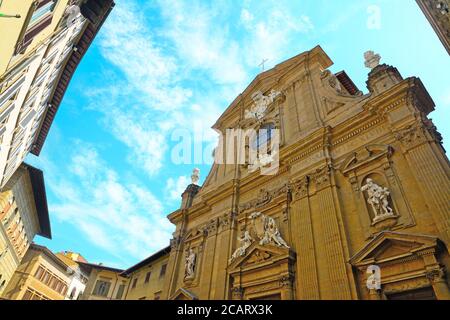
pixel 23 214
pixel 79 277
pixel 39 53
pixel 40 276
pixel 353 202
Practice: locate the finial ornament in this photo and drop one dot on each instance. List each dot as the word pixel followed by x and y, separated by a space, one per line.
pixel 195 177
pixel 372 59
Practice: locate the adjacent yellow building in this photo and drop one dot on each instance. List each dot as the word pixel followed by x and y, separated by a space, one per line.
pixel 104 283
pixel 146 279
pixel 40 276
pixel 23 214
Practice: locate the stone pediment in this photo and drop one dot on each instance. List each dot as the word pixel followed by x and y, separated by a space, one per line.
pixel 183 294
pixel 389 246
pixel 366 155
pixel 258 256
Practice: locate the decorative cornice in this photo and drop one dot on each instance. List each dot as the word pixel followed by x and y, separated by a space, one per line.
pixel 264 197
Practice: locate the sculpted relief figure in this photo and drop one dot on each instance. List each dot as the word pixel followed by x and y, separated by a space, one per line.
pixel 246 241
pixel 261 103
pixel 190 265
pixel 268 233
pixel 378 198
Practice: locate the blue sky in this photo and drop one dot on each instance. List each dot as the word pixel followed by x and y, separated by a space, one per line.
pixel 158 68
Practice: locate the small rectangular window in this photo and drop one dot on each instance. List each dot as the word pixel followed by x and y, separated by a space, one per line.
pixel 134 283
pixel 147 277
pixel 163 270
pixel 120 291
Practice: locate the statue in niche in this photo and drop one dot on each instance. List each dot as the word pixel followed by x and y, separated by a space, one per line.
pixel 190 264
pixel 378 199
pixel 246 241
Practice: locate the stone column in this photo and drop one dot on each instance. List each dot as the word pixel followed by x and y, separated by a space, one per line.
pixel 437 280
pixel 331 241
pixel 432 171
pixel 208 258
pixel 303 242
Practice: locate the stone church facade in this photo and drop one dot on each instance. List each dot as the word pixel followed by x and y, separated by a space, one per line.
pixel 358 207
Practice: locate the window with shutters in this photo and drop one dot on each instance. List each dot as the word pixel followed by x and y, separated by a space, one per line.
pixel 40 17
pixel 101 288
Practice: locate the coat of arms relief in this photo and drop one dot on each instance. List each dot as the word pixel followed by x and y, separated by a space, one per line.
pixel 260 105
pixel 265 231
pixel 257 117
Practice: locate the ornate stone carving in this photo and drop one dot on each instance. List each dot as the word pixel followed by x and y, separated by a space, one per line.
pixel 322 176
pixel 211 227
pixel 286 281
pixel 174 243
pixel 257 257
pixel 237 293
pixel 264 197
pixel 246 241
pixel 378 199
pixel 225 221
pixel 261 103
pixel 189 270
pixel 300 187
pixel 436 275
pixel 410 136
pixel 267 230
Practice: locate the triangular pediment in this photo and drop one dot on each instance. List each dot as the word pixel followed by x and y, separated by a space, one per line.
pixel 183 294
pixel 258 255
pixel 388 246
pixel 365 155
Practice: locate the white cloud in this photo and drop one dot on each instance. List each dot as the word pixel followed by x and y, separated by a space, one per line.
pixel 269 35
pixel 175 187
pixel 114 215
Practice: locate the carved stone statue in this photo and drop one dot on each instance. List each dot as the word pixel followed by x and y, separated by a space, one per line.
pixel 269 233
pixel 272 234
pixel 195 177
pixel 378 198
pixel 372 59
pixel 246 241
pixel 261 103
pixel 189 272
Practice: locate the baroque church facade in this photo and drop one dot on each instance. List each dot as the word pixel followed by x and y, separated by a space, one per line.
pixel 357 208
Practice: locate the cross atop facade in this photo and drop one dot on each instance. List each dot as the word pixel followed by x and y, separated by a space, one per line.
pixel 262 64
